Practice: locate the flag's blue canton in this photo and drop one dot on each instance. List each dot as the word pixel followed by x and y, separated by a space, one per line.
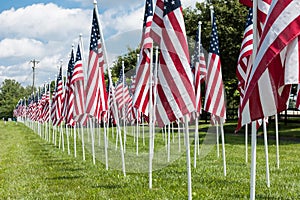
pixel 120 77
pixel 170 5
pixel 214 42
pixel 95 35
pixel 59 78
pixel 195 57
pixel 250 17
pixel 148 11
pixel 71 65
pixel 78 54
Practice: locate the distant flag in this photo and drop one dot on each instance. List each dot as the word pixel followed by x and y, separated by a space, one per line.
pixel 122 92
pixel 176 93
pixel 46 108
pixel 215 94
pixel 268 86
pixel 53 108
pixel 199 68
pixel 69 94
pixel 95 91
pixel 59 98
pixel 142 81
pixel 246 2
pixel 245 59
pixel 77 83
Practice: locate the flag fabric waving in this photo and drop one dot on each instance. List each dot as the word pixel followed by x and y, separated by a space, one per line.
pixel 176 93
pixel 69 95
pixel 268 85
pixel 77 84
pixel 96 97
pixel 142 81
pixel 59 98
pixel 199 68
pixel 214 97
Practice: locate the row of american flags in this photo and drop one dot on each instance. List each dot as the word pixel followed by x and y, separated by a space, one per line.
pixel 263 90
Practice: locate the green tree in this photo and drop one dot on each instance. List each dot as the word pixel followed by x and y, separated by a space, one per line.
pixel 231 17
pixel 10 93
pixel 130 61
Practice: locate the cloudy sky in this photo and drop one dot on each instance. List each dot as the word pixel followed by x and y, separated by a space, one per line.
pixel 45 31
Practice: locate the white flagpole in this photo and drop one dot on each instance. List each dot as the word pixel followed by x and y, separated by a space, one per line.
pixel 68 139
pixel 253 161
pixel 253 135
pixel 75 141
pixel 217 130
pixel 196 139
pixel 123 109
pixel 188 162
pixel 83 62
pixel 266 153
pixel 92 130
pixel 246 143
pixel 277 140
pixel 105 147
pixel 82 143
pixel 113 95
pixel 169 141
pixel 223 146
pixel 151 118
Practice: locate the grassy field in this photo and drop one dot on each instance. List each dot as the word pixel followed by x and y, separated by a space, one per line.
pixel 31 168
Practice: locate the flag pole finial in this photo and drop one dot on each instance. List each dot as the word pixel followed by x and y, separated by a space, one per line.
pixel 95 2
pixel 211 7
pixel 199 23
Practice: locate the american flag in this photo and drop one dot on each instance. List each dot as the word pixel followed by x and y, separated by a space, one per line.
pixel 96 97
pixel 122 92
pixel 214 97
pixel 77 84
pixel 142 82
pixel 69 95
pixel 199 68
pixel 176 93
pixel 245 60
pixel 245 53
pixel 53 109
pixel 46 107
pixel 59 98
pixel 268 85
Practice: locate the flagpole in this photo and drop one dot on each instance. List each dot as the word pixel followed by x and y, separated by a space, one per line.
pixel 188 162
pixel 123 108
pixel 253 135
pixel 83 61
pixel 223 146
pixel 266 154
pixel 150 119
pixel 246 143
pixel 277 140
pixel 113 95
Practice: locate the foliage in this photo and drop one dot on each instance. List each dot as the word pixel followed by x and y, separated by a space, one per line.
pixel 130 62
pixel 231 17
pixel 10 93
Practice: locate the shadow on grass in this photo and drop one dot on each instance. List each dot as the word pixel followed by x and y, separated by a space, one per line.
pixel 107 186
pixel 65 178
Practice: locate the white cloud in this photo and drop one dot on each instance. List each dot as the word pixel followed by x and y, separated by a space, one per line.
pixel 23 47
pixel 46 31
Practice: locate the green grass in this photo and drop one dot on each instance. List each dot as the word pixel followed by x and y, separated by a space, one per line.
pixel 31 168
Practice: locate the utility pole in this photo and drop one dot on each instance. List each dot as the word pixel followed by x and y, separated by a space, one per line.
pixel 34 62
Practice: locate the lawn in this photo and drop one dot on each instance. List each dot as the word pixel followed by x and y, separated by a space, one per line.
pixel 32 168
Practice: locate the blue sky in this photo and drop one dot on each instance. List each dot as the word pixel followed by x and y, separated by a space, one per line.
pixel 45 30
